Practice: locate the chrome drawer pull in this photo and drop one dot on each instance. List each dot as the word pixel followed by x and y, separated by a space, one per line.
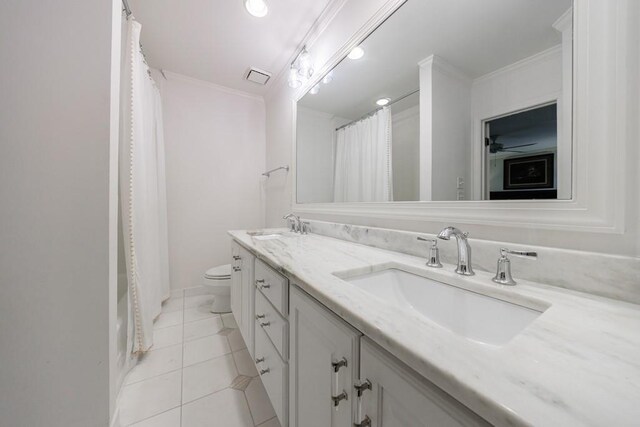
pixel 264 286
pixel 260 316
pixel 362 387
pixel 237 258
pixel 337 399
pixel 339 364
pixel 259 359
pixel 364 423
pixel 259 281
pixel 265 324
pixel 264 371
pixel 236 268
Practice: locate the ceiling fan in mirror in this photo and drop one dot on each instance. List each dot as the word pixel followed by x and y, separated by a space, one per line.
pixel 496 147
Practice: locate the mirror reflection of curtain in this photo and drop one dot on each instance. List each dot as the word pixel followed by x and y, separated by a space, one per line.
pixel 363 160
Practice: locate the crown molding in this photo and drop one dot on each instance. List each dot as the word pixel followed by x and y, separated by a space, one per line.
pixel 170 75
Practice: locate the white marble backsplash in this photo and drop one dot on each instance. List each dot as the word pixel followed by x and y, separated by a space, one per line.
pixel 600 274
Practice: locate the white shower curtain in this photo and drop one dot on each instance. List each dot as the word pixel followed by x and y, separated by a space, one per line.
pixel 363 160
pixel 143 194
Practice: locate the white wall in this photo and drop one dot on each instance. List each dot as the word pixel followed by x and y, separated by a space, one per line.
pixel 444 130
pixel 349 20
pixel 56 232
pixel 315 156
pixel 215 154
pixel 405 154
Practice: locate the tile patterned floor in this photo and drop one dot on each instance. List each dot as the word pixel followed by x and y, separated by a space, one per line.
pixel 198 373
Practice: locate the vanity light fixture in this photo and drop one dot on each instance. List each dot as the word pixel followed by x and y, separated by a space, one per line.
pixel 314 90
pixel 301 69
pixel 383 101
pixel 328 78
pixel 257 8
pixel 356 53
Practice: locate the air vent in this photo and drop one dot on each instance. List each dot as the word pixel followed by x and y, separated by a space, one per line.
pixel 258 76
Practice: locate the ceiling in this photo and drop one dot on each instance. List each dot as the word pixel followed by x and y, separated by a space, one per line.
pixel 218 40
pixel 476 37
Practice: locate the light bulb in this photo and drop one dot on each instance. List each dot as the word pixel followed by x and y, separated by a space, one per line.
pixel 294 81
pixel 356 53
pixel 305 59
pixel 383 101
pixel 257 8
pixel 328 78
pixel 314 90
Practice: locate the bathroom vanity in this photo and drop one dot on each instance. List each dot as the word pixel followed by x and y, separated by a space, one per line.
pixel 345 334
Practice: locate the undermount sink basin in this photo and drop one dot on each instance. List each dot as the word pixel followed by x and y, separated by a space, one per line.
pixel 475 316
pixel 264 235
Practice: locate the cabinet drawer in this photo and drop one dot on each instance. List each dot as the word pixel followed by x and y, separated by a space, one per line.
pixel 273 285
pixel 274 373
pixel 270 321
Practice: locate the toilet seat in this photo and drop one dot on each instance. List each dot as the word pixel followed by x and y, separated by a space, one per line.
pixel 221 272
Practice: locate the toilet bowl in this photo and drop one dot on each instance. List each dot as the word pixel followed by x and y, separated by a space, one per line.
pixel 217 281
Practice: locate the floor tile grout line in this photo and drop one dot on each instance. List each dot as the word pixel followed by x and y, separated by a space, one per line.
pixel 182 369
pixel 266 421
pixel 154 415
pixel 246 399
pixel 150 378
pixel 209 360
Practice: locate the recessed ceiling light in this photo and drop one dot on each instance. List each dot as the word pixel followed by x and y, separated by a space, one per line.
pixel 356 53
pixel 383 101
pixel 257 8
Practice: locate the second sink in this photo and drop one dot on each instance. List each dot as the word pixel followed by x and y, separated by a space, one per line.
pixel 475 316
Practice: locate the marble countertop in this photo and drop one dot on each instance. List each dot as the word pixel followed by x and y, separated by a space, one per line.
pixel 576 364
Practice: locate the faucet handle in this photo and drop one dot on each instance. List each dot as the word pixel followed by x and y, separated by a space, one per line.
pixel 503 271
pixel 530 254
pixel 304 227
pixel 434 253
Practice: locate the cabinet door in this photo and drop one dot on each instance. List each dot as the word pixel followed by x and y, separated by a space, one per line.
pixel 246 324
pixel 318 341
pixel 400 397
pixel 236 282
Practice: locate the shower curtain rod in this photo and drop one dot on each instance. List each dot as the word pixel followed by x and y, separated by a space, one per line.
pixel 378 109
pixel 127 9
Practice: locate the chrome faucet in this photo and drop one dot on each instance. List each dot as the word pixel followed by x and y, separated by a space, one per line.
pixel 294 222
pixel 464 250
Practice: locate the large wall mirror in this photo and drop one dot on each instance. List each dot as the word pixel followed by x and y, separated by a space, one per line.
pixel 445 101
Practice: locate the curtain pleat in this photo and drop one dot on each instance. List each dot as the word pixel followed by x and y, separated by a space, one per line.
pixel 363 160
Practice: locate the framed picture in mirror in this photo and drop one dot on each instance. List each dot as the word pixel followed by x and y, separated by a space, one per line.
pixel 531 172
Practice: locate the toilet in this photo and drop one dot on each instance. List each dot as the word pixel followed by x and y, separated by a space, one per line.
pixel 217 281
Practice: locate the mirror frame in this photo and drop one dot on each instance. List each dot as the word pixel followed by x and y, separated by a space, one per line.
pixel 599 113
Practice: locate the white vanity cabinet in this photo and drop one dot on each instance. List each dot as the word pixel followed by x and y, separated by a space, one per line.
pixel 399 397
pixel 323 360
pixel 242 292
pixel 318 370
